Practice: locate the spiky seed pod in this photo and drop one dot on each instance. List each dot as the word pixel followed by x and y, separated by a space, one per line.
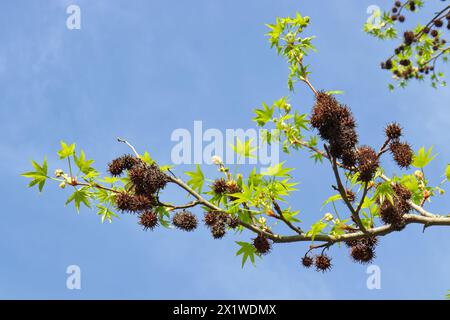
pixel 349 158
pixel 335 124
pixel 412 6
pixel 147 179
pixel 393 131
pixel 405 62
pixel 434 33
pixel 438 23
pixel 307 261
pixel 210 218
pixel 408 37
pixel 233 187
pixel 262 244
pixel 119 165
pixel 218 230
pixel 233 222
pixel 322 262
pixel 401 18
pixel 388 64
pixel 185 220
pixel 390 214
pixel 398 3
pixel 367 163
pixel 219 186
pixel 148 219
pixel 402 153
pixel 362 254
pixel 402 192
pixel 132 203
pixel 394 17
pixel 124 201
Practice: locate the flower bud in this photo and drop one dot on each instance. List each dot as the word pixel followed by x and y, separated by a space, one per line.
pixel 328 217
pixel 216 160
pixel 418 174
pixel 62 185
pixel 58 173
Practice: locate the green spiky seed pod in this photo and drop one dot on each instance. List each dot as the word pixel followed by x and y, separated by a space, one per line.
pixel 262 245
pixel 148 219
pixel 185 220
pixel 322 262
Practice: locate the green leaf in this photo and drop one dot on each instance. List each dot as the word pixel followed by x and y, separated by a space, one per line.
pixel 384 191
pixel 197 179
pixel 263 115
pixel 277 171
pixel 80 196
pixel 83 164
pixel 66 151
pixel 447 172
pixel 244 149
pixel 247 251
pixel 335 92
pixel 334 198
pixel 316 228
pixel 39 176
pixel 422 158
pixel 106 214
pixel 146 158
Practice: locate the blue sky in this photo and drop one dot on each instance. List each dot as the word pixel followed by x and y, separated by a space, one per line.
pixel 141 69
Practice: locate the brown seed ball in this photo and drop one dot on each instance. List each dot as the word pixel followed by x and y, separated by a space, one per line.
pixel 148 219
pixel 367 163
pixel 119 165
pixel 434 33
pixel 218 230
pixel 438 23
pixel 402 153
pixel 393 131
pixel 185 220
pixel 398 3
pixel 307 261
pixel 262 244
pixel 408 37
pixel 388 64
pixel 210 218
pixel 322 262
pixel 362 254
pixel 219 186
pixel 401 18
pixel 132 203
pixel 405 62
pixel 390 214
pixel 147 179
